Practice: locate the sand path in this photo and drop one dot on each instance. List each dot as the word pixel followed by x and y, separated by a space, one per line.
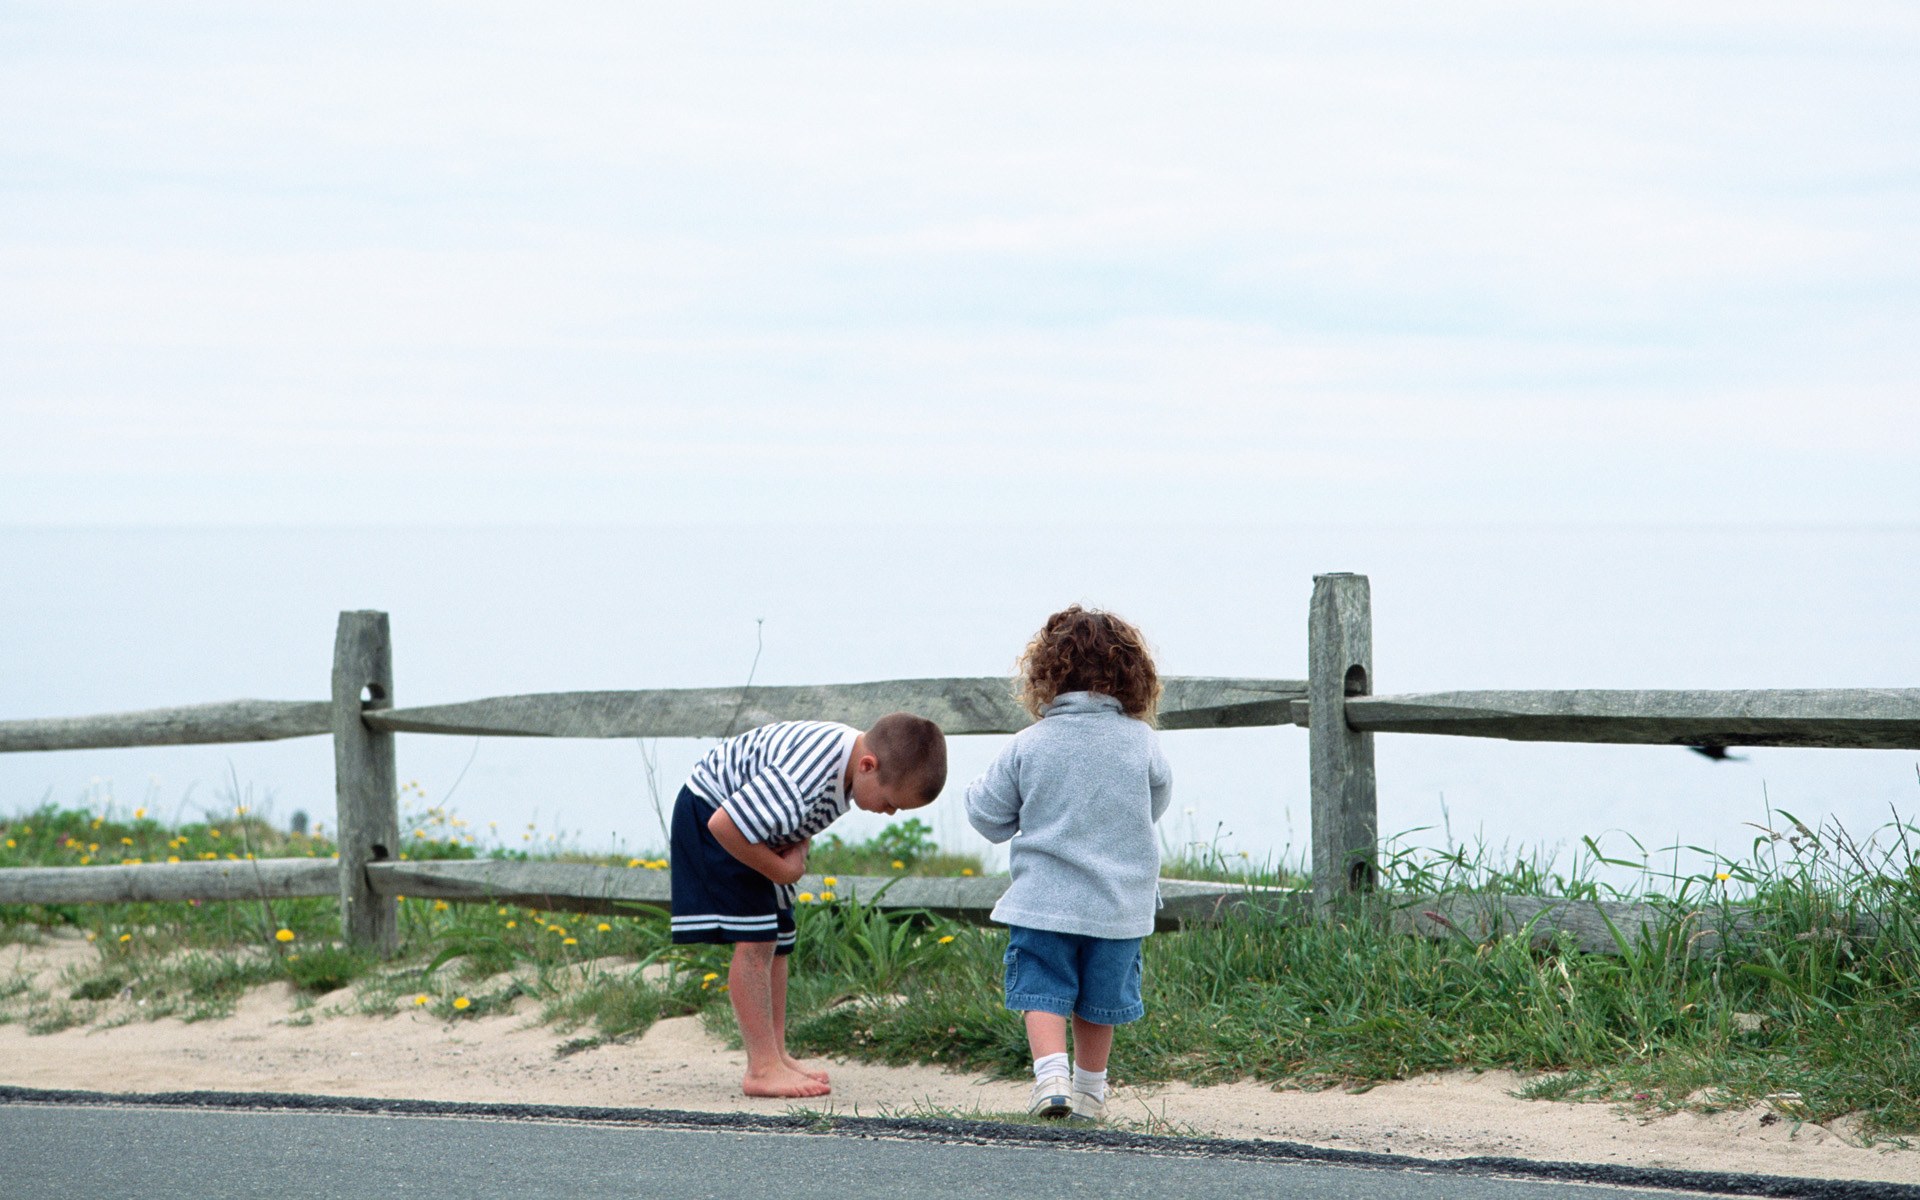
pixel 507 1059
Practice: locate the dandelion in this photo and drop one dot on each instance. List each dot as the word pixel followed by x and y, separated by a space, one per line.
pixel 898 865
pixel 419 833
pixel 513 924
pixel 139 814
pixel 461 1002
pixel 1722 876
pixel 826 896
pixel 209 856
pixel 85 859
pixel 570 941
pixel 501 913
pixel 439 906
pixel 129 862
pixel 213 833
pixel 805 897
pixel 603 927
pixel 125 938
pixel 93 847
pixel 242 810
pixel 91 935
pixel 399 897
pixel 173 858
pixel 946 939
pixel 966 870
pixel 706 981
pixel 293 958
pixel 420 1000
pixel 126 841
pixel 831 881
pixel 284 935
pixel 634 862
pixel 10 843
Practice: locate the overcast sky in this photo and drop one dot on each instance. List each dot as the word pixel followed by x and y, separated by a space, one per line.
pixel 339 262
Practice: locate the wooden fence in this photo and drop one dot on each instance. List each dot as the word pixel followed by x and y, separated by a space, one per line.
pixel 1335 703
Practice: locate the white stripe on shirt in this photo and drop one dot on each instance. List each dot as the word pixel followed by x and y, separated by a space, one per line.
pixel 781 782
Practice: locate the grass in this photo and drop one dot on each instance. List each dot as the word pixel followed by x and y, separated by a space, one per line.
pixel 1811 1003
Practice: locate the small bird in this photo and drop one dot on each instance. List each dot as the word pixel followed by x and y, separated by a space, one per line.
pixel 1716 752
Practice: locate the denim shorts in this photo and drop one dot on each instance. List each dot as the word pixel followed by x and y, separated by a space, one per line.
pixel 1071 974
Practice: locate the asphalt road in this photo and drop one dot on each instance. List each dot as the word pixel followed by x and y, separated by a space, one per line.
pixel 170 1147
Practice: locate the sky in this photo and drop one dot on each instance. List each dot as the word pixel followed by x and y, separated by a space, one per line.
pixel 482 265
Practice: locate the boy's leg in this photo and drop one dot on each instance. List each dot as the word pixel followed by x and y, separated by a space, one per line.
pixel 750 987
pixel 1047 1033
pixel 779 997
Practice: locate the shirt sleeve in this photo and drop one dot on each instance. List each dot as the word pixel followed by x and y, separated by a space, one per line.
pixel 767 807
pixel 1160 781
pixel 993 800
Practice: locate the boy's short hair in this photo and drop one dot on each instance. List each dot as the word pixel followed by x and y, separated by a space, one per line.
pixel 912 750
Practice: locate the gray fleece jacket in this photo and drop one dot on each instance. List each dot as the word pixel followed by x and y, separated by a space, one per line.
pixel 1078 792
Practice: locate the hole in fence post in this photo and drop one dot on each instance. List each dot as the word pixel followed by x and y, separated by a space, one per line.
pixel 373 693
pixel 1356 680
pixel 379 851
pixel 1360 877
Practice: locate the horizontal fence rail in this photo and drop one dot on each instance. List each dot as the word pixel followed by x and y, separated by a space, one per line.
pixel 1591 925
pixel 243 879
pixel 957 706
pixel 194 724
pixel 1857 718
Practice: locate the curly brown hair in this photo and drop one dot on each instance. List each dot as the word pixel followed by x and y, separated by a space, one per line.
pixel 1086 650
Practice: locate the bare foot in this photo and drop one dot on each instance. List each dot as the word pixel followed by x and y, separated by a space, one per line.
pixel 795 1064
pixel 783 1081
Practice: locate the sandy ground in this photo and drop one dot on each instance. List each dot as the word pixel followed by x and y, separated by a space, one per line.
pixel 677 1065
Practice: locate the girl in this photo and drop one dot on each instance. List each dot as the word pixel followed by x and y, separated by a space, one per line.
pixel 1078 792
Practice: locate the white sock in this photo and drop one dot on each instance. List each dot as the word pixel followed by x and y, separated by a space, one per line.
pixel 1048 1065
pixel 1093 1083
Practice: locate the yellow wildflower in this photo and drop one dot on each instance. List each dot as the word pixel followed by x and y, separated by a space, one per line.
pixel 570 941
pixel 826 897
pixel 126 937
pixel 9 843
pixel 139 813
pixel 173 858
pixel 84 860
pixel 603 927
pixel 946 939
pixel 634 862
pixel 284 935
pixel 420 1000
pixel 831 881
pixel 898 865
pixel 966 870
pixel 439 906
pixel 461 1002
pixel 501 912
pixel 91 935
pixel 126 841
pixel 513 924
pixel 213 833
pixel 1722 876
pixel 805 897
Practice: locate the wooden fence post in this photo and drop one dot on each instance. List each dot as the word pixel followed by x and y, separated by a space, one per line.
pixel 366 792
pixel 1345 821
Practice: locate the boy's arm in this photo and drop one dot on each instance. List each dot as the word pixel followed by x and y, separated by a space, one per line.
pixel 781 866
pixel 993 800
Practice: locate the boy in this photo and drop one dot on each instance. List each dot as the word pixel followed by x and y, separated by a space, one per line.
pixel 741 829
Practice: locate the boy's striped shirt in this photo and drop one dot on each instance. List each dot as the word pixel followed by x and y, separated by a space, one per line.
pixel 781 782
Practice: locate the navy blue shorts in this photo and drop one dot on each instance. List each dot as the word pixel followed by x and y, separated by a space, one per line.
pixel 1071 974
pixel 716 897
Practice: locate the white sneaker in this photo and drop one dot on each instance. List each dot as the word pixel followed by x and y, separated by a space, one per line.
pixel 1050 1098
pixel 1087 1108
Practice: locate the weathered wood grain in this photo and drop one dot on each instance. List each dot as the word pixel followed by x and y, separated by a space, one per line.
pixel 1857 718
pixel 193 724
pixel 245 879
pixel 576 887
pixel 1340 758
pixel 366 789
pixel 958 706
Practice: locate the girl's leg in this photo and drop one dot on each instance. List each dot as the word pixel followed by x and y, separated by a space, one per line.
pixel 1091 1045
pixel 1047 1033
pixel 750 987
pixel 779 998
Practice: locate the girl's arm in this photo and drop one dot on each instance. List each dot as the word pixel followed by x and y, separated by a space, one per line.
pixel 1160 781
pixel 993 800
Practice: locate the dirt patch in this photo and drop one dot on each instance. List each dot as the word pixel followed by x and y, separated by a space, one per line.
pixel 272 1045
